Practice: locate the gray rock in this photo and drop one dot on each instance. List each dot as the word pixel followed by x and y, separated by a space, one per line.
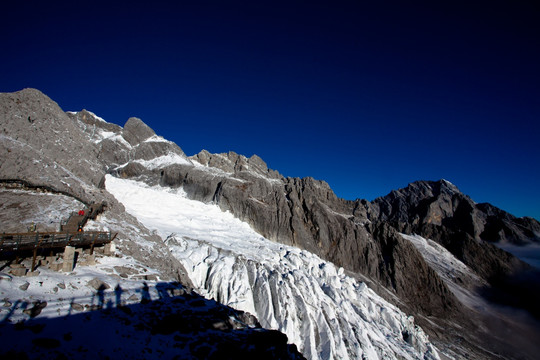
pixel 152 149
pixel 232 162
pixel 97 284
pixel 89 122
pixel 24 286
pixel 36 309
pixel 113 152
pixel 136 131
pixel 425 204
pixel 77 307
pixel 19 272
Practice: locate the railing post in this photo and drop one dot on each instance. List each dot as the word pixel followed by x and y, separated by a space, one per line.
pixel 68 238
pixel 34 259
pixel 19 239
pixel 93 242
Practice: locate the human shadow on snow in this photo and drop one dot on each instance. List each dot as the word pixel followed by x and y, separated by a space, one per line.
pixel 166 320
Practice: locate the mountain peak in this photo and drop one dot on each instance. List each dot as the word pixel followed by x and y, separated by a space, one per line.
pixel 436 187
pixel 30 92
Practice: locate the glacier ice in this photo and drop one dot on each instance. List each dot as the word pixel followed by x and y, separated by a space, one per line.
pixel 326 313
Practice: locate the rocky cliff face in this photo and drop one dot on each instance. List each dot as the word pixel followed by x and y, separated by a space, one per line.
pixel 57 152
pixel 439 211
pixel 307 214
pixel 45 147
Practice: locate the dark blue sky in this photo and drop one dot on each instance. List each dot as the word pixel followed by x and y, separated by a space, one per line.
pixel 367 97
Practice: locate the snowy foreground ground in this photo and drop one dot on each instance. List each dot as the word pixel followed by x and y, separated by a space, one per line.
pixel 324 312
pixel 64 317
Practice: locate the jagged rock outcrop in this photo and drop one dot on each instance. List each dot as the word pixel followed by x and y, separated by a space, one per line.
pixel 133 145
pixel 235 163
pixel 424 206
pixel 91 123
pixel 500 226
pixel 136 131
pixel 110 150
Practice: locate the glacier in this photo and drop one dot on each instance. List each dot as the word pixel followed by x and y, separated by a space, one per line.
pixel 325 312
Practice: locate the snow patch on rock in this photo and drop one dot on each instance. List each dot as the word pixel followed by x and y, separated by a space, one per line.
pixel 163 161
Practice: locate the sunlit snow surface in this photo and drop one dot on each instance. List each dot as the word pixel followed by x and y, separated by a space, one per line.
pixel 324 312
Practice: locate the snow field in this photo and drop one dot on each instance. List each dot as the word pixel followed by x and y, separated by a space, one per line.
pixel 327 314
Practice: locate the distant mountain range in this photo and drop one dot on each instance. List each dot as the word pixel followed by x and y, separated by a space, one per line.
pixel 427 249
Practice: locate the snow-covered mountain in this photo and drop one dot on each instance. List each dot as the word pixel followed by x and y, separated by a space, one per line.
pixel 342 279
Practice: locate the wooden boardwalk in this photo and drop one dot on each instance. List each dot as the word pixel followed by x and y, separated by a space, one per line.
pixel 19 242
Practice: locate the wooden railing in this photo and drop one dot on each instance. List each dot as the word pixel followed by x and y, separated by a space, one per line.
pixel 33 241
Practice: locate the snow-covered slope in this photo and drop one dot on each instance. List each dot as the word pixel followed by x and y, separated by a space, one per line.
pixel 326 313
pixel 459 278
